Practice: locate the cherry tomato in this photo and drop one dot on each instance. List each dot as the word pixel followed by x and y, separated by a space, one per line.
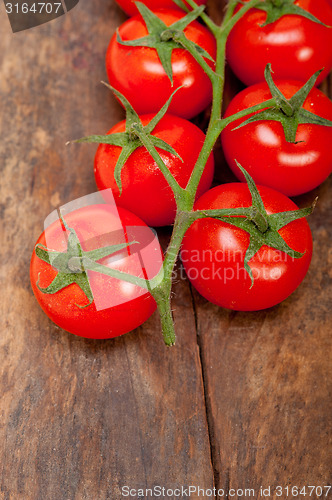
pixel 213 253
pixel 144 188
pixel 129 5
pixel 290 168
pixel 118 306
pixel 138 74
pixel 295 46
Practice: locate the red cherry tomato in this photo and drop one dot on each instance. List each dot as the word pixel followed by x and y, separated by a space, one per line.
pixel 213 253
pixel 144 188
pixel 295 46
pixel 292 169
pixel 129 5
pixel 138 74
pixel 118 307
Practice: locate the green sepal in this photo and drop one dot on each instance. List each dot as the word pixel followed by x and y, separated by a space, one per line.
pixel 281 101
pixel 131 115
pixel 181 4
pixel 65 276
pixel 164 39
pixel 297 100
pixel 306 116
pixel 262 227
pixel 275 9
pixel 62 280
pixel 182 23
pixel 290 112
pixel 71 263
pixel 116 139
pixel 100 253
pixel 257 201
pixel 161 113
pixel 270 238
pixel 281 219
pixel 129 140
pixel 159 143
pixel 124 155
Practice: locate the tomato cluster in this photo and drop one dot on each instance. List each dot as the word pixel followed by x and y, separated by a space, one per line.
pixel 257 254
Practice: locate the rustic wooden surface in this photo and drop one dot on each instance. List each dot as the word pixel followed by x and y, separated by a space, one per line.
pixel 242 400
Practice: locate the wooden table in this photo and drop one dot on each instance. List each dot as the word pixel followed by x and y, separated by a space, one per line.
pixel 242 401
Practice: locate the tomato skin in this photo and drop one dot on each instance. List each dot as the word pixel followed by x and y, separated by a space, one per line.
pixel 295 46
pixel 130 8
pixel 138 74
pixel 92 224
pixel 213 253
pixel 292 169
pixel 145 191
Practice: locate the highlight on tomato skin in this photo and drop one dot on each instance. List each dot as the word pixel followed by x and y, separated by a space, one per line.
pixel 118 307
pixel 138 74
pixel 130 8
pixel 144 188
pixel 213 253
pixel 291 168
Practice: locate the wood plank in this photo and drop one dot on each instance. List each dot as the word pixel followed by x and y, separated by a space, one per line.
pixel 267 374
pixel 79 419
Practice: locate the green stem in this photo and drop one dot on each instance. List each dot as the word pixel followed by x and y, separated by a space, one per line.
pixel 259 220
pixel 185 201
pixel 89 265
pixel 213 27
pixel 229 11
pixel 218 82
pixel 222 212
pixel 230 20
pixel 183 40
pixel 214 130
pixel 183 221
pixel 270 103
pixel 162 292
pixel 166 318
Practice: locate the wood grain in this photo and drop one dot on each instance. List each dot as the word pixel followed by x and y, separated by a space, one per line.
pixel 79 419
pixel 242 400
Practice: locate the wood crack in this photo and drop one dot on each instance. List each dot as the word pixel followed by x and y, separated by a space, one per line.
pixel 208 411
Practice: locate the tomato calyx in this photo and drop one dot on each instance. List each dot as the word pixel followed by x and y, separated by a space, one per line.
pixel 136 135
pixel 181 4
pixel 73 264
pixel 288 112
pixel 164 39
pixel 275 9
pixel 263 228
